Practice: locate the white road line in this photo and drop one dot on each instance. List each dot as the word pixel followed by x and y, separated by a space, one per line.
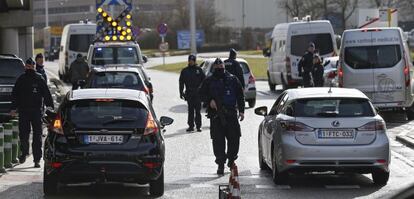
pixel 260 186
pixel 203 186
pixel 342 186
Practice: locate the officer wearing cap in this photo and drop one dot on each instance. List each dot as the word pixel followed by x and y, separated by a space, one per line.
pixel 29 94
pixel 305 65
pixel 233 66
pixel 225 97
pixel 190 79
pixel 40 68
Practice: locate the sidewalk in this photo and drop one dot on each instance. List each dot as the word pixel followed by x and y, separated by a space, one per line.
pixel 407 137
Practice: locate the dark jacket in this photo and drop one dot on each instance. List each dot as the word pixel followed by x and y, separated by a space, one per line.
pixel 29 92
pixel 78 70
pixel 41 69
pixel 306 63
pixel 234 68
pixel 191 77
pixel 213 87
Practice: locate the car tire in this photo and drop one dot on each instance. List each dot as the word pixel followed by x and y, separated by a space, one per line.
pixel 252 103
pixel 50 184
pixel 157 186
pixel 380 177
pixel 262 163
pixel 272 86
pixel 279 178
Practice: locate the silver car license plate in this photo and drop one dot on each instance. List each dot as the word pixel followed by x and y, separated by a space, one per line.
pixel 103 139
pixel 336 133
pixel 6 90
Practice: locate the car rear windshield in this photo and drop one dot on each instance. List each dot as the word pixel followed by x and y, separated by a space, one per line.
pixel 333 107
pixel 323 42
pixel 365 57
pixel 245 68
pixel 117 80
pixel 10 70
pixel 115 55
pixel 104 114
pixel 81 42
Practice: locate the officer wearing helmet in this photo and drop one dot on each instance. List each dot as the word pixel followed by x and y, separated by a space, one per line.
pixel 225 98
pixel 28 96
pixel 233 67
pixel 190 79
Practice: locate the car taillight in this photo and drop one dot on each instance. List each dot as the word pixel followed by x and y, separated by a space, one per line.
pixel 340 77
pixel 407 75
pixel 332 75
pixel 57 125
pixel 373 126
pixel 252 80
pixel 152 165
pixel 296 126
pixel 151 127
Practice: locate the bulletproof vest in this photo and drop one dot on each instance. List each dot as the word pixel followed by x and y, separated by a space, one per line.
pixel 229 95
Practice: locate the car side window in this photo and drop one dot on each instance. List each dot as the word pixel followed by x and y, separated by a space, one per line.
pixel 273 111
pixel 287 109
pixel 282 103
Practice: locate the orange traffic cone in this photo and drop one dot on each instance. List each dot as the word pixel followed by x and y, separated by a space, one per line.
pixel 236 183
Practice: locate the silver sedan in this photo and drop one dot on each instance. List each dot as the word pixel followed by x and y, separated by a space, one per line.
pixel 323 129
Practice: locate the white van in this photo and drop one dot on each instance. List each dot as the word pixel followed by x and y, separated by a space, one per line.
pixel 76 39
pixel 289 43
pixel 377 62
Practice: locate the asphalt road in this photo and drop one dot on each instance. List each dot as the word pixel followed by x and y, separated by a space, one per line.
pixel 190 168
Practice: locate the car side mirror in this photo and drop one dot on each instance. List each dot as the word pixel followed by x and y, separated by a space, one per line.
pixel 165 121
pixel 145 58
pixel 82 83
pixel 261 111
pixel 266 52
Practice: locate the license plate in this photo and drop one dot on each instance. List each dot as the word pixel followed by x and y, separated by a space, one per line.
pixel 103 139
pixel 6 90
pixel 328 133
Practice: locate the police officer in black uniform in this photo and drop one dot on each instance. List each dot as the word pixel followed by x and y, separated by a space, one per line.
pixel 28 95
pixel 40 68
pixel 317 72
pixel 306 65
pixel 191 78
pixel 233 67
pixel 225 97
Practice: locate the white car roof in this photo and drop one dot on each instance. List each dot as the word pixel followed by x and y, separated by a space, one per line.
pixel 106 44
pixel 116 69
pixel 323 92
pixel 105 93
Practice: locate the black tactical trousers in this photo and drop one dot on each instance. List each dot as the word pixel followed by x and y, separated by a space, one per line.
pixel 194 111
pixel 29 120
pixel 307 81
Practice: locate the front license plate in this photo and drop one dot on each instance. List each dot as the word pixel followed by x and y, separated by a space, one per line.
pixel 103 139
pixel 328 133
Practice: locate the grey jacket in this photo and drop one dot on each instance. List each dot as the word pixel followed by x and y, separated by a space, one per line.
pixel 78 70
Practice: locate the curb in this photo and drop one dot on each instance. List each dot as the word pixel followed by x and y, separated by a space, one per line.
pixel 405 140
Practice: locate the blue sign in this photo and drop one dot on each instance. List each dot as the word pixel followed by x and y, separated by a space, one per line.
pixel 184 39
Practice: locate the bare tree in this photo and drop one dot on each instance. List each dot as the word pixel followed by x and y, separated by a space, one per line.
pixel 346 9
pixel 301 8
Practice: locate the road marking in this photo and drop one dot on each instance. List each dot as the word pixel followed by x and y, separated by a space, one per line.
pixel 342 186
pixel 260 186
pixel 203 186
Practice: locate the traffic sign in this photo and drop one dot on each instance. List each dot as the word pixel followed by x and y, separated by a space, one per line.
pixel 164 47
pixel 162 29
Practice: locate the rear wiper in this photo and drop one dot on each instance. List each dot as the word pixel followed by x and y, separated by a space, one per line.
pixel 328 114
pixel 116 120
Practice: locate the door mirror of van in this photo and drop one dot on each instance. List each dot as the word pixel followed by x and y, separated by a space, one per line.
pixel 266 52
pixel 145 58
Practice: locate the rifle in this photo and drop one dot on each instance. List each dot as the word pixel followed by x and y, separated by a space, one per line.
pixel 221 112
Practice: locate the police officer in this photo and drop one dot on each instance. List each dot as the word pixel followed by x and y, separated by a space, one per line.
pixel 40 68
pixel 233 67
pixel 78 70
pixel 306 65
pixel 317 72
pixel 191 78
pixel 28 95
pixel 225 97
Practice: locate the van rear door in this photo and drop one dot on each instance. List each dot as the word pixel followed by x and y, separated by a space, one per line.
pixel 389 79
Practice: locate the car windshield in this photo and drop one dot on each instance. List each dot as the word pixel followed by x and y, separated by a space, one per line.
pixel 365 57
pixel 107 113
pixel 127 80
pixel 333 107
pixel 10 70
pixel 81 42
pixel 115 55
pixel 323 43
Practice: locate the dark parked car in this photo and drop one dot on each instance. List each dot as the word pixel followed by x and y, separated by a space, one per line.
pixel 105 135
pixel 11 67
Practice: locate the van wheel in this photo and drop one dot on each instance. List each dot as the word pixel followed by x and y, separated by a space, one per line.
pixel 380 177
pixel 272 86
pixel 157 186
pixel 252 102
pixel 50 184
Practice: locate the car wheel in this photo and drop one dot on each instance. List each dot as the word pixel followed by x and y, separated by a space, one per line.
pixel 252 102
pixel 272 87
pixel 278 177
pixel 262 163
pixel 157 186
pixel 50 183
pixel 380 177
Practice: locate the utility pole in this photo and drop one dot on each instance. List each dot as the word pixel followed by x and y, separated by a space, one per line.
pixel 193 27
pixel 46 13
pixel 243 14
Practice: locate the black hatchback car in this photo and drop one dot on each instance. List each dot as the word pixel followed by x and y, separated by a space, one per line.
pixel 105 135
pixel 11 67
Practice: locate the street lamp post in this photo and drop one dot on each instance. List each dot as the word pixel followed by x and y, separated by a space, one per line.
pixel 46 13
pixel 193 27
